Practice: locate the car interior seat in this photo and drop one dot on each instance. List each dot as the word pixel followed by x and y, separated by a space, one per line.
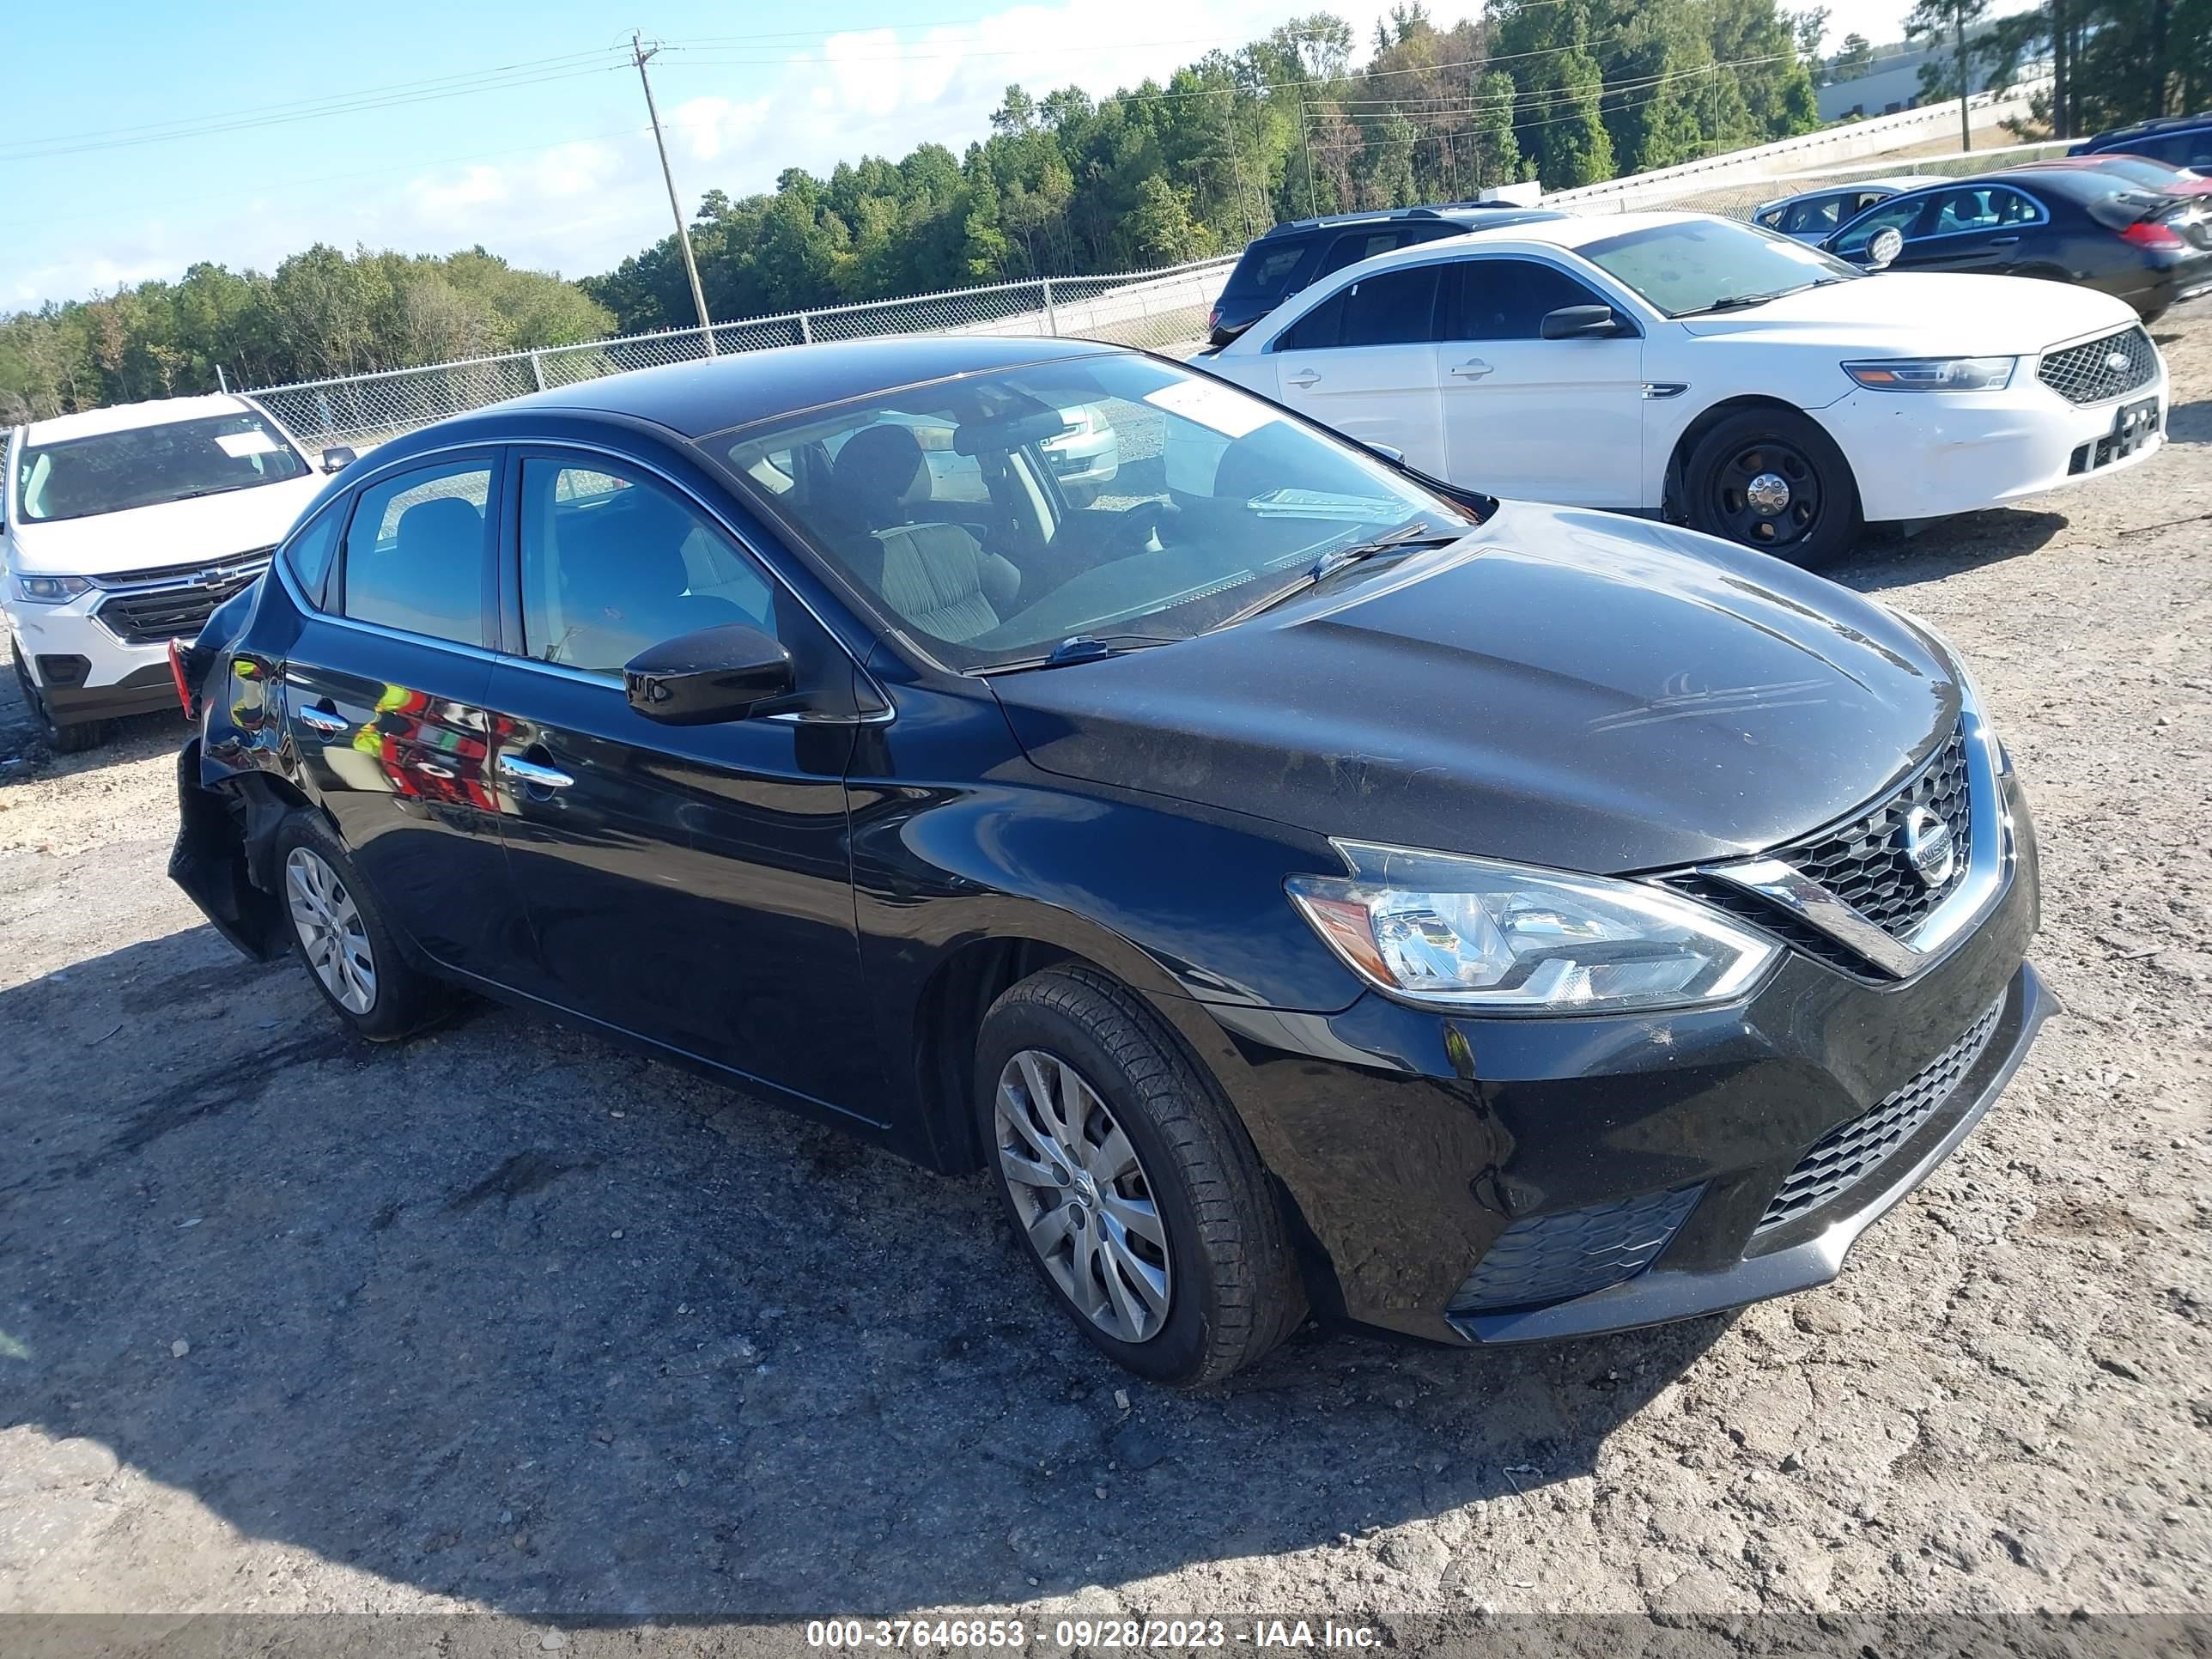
pixel 935 576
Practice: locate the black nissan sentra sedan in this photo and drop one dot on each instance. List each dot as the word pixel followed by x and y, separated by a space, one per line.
pixel 1306 885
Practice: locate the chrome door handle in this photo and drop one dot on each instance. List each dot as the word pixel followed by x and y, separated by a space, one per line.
pixel 322 721
pixel 1475 368
pixel 432 769
pixel 529 772
pixel 1302 379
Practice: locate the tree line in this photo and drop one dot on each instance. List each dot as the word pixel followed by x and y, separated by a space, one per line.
pixel 1566 92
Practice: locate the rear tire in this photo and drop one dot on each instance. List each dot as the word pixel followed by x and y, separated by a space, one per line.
pixel 340 936
pixel 1145 1145
pixel 1771 480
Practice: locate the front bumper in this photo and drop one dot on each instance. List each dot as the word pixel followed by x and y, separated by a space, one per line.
pixel 1408 1143
pixel 1928 455
pixel 83 670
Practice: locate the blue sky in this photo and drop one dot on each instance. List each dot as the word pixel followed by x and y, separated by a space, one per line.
pixel 520 128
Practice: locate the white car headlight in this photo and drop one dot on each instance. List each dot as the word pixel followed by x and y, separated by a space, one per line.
pixel 50 590
pixel 1469 933
pixel 1934 374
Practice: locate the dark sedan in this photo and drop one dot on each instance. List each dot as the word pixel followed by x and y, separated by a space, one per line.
pixel 2151 248
pixel 1309 887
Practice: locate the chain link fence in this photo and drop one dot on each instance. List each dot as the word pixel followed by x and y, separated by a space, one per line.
pixel 1157 310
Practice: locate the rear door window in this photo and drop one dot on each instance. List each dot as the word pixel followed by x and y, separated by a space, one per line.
pixel 415 552
pixel 1394 307
pixel 1816 216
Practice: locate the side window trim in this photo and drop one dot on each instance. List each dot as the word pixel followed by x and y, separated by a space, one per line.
pixel 334 586
pixel 566 451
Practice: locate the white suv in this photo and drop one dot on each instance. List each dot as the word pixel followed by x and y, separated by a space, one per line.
pixel 120 530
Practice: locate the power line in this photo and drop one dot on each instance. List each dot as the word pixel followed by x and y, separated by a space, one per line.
pixel 244 125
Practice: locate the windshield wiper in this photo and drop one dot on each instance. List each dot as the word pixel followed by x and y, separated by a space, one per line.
pixel 1412 536
pixel 1738 301
pixel 1077 648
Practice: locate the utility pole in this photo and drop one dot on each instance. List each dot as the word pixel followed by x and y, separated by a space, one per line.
pixel 1965 81
pixel 675 205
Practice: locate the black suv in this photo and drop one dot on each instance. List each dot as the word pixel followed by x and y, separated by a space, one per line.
pixel 1290 255
pixel 2183 140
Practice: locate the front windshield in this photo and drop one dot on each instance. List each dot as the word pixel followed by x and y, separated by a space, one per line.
pixel 146 465
pixel 1110 497
pixel 1698 263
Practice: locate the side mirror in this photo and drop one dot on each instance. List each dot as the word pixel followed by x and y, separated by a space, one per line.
pixel 1389 452
pixel 1881 252
pixel 338 456
pixel 716 674
pixel 1582 323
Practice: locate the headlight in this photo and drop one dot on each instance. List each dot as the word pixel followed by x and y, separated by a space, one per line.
pixel 1934 374
pixel 50 590
pixel 1467 932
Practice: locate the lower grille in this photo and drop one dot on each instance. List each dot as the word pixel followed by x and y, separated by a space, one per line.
pixel 1851 1151
pixel 1549 1258
pixel 2110 367
pixel 152 616
pixel 1864 862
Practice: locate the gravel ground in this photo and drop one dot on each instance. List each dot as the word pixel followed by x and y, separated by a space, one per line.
pixel 507 1320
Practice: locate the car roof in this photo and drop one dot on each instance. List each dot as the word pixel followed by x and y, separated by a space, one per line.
pixel 1470 213
pixel 709 395
pixel 2164 124
pixel 122 417
pixel 1897 184
pixel 1568 231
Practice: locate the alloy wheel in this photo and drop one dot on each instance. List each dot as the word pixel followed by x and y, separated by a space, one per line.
pixel 1082 1196
pixel 330 929
pixel 1768 495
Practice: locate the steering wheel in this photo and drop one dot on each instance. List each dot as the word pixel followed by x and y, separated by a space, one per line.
pixel 1134 524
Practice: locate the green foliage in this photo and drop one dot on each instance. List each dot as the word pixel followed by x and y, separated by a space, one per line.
pixel 2119 61
pixel 321 313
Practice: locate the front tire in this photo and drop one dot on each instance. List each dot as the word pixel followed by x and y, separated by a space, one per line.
pixel 341 938
pixel 70 737
pixel 1772 480
pixel 1138 1196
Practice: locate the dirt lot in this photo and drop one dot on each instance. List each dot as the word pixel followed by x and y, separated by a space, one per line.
pixel 507 1320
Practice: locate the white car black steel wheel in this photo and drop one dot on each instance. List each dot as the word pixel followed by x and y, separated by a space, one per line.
pixel 1081 1193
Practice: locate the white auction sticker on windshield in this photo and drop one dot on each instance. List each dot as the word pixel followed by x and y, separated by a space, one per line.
pixel 1229 413
pixel 240 445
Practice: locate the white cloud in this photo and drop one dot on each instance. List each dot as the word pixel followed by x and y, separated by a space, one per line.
pixel 581 206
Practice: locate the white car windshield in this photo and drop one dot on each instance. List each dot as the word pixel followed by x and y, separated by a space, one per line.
pixel 1706 264
pixel 1115 500
pixel 147 465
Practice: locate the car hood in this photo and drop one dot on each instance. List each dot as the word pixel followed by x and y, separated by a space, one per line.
pixel 1560 688
pixel 1928 313
pixel 202 532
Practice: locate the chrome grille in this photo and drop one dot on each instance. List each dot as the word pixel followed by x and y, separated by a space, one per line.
pixel 176 609
pixel 1851 1151
pixel 1863 862
pixel 2087 374
pixel 1549 1258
